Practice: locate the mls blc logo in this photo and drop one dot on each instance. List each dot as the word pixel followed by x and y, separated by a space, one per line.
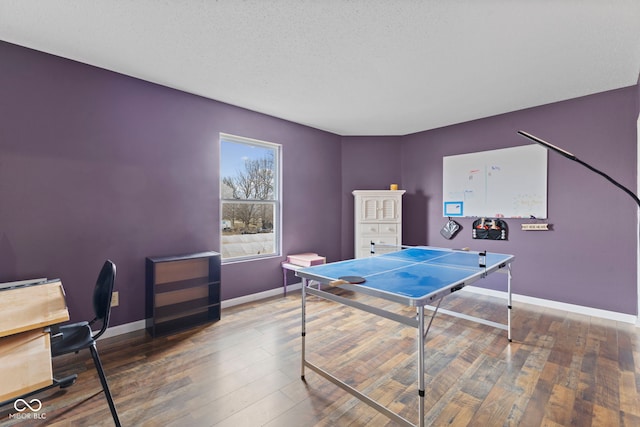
pixel 28 410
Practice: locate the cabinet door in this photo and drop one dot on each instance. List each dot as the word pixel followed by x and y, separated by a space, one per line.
pixel 379 209
pixel 369 211
pixel 388 210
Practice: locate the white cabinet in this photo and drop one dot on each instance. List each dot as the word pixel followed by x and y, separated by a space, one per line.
pixel 378 219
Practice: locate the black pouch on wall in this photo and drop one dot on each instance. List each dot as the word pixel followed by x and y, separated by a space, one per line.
pixel 492 229
pixel 450 229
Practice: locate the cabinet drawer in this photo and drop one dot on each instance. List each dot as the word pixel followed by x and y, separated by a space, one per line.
pixel 369 229
pixel 384 250
pixel 379 250
pixel 388 229
pixel 378 240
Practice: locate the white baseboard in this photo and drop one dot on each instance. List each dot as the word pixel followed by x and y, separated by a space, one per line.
pixel 125 328
pixel 572 308
pixel 260 295
pixel 588 311
pixel 141 324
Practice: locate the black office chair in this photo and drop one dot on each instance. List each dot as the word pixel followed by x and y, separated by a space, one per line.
pixel 78 336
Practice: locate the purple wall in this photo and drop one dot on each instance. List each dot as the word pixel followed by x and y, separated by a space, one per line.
pixel 98 165
pixel 368 163
pixel 94 164
pixel 589 258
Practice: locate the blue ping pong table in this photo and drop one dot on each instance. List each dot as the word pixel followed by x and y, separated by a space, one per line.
pixel 417 276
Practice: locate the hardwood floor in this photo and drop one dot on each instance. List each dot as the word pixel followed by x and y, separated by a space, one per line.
pixel 561 369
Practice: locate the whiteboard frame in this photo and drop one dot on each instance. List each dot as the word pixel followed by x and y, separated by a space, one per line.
pixel 503 183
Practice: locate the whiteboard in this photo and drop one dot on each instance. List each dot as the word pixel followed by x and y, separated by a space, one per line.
pixel 504 183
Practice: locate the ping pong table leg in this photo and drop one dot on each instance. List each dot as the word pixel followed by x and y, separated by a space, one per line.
pixel 304 298
pixel 421 386
pixel 509 306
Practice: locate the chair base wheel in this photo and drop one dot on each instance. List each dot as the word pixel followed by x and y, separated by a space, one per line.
pixel 67 381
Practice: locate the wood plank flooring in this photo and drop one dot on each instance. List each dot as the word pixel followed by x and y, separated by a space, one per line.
pixel 561 369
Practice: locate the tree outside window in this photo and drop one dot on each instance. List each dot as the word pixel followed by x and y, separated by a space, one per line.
pixel 249 192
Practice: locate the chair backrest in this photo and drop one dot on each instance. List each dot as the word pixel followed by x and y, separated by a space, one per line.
pixel 102 295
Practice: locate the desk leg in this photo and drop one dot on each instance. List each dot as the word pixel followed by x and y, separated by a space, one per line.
pixel 304 332
pixel 284 284
pixel 421 386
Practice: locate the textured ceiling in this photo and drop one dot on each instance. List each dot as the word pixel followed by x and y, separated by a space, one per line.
pixel 359 67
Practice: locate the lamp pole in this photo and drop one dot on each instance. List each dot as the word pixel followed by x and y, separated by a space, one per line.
pixel 570 156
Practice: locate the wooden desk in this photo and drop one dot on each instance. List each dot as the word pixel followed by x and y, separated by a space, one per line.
pixel 296 262
pixel 25 349
pixel 287 266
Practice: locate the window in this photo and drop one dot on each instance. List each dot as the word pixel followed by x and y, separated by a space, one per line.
pixel 249 198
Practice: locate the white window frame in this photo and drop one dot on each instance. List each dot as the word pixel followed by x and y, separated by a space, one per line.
pixel 276 203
